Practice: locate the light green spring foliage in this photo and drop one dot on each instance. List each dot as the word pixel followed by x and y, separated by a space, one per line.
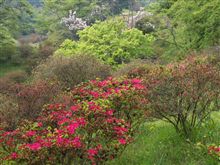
pixel 7 44
pixel 110 41
pixel 48 17
pixel 187 26
pixel 200 22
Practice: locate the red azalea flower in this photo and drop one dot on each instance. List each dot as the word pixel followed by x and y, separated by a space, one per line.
pixel 136 81
pixel 122 141
pixel 13 155
pixel 139 86
pixel 92 152
pixel 109 112
pixel 34 146
pixel 74 108
pixel 76 142
pixel 39 124
pixel 94 94
pixel 72 127
pixel 30 133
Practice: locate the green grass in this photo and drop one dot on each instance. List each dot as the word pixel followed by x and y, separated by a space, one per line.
pixel 7 68
pixel 159 144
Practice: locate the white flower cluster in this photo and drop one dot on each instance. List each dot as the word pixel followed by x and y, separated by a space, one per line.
pixel 72 22
pixel 132 20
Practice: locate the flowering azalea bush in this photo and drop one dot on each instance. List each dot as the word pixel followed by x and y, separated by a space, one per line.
pixel 184 94
pixel 24 101
pixel 95 126
pixel 214 151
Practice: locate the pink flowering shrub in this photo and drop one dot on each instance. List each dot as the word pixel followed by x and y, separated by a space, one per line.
pixel 25 102
pixel 184 94
pixel 95 126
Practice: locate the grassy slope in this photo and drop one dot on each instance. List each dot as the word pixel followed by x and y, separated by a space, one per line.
pixel 159 144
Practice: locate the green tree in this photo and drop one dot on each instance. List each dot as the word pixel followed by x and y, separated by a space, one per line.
pixel 110 41
pixel 7 44
pixel 12 13
pixel 200 22
pixel 12 16
pixel 52 11
pixel 188 25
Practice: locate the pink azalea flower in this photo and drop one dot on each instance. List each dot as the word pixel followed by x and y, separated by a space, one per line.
pixel 122 141
pixel 92 152
pixel 93 106
pixel 72 127
pixel 109 112
pixel 81 121
pixel 138 86
pixel 34 146
pixel 94 94
pixel 120 130
pixel 110 120
pixel 136 81
pixel 47 143
pixel 31 133
pixel 60 140
pixel 74 108
pixel 103 83
pixel 39 124
pixel 13 155
pixel 61 122
pixel 76 142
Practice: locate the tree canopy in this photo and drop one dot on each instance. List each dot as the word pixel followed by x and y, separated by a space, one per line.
pixel 110 41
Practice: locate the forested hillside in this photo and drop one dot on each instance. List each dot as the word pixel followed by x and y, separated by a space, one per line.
pixel 121 82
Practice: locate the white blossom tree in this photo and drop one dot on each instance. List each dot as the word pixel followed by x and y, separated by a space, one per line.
pixel 72 22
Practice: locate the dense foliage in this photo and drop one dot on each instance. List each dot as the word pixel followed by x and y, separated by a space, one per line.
pixel 28 99
pixel 184 94
pixel 110 41
pixel 66 133
pixel 57 105
pixel 13 16
pixel 187 26
pixel 70 71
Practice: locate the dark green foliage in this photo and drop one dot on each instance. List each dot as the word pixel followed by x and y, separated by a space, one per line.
pixel 149 24
pixel 12 16
pixel 187 26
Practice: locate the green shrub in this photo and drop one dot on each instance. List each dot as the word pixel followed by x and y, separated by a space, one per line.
pixel 70 71
pixel 149 24
pixel 135 68
pixel 7 45
pixel 110 41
